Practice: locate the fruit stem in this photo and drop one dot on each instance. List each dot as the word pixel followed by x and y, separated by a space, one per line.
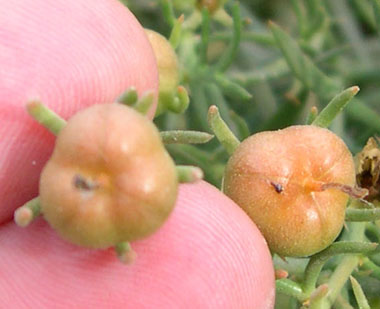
pixel 125 253
pixel 228 56
pixel 189 174
pixel 185 137
pixel 45 116
pixel 25 214
pixel 222 131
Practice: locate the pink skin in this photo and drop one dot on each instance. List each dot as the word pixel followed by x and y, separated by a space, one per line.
pixel 70 54
pixel 208 254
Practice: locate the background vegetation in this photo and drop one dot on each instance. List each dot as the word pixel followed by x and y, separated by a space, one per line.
pixel 266 77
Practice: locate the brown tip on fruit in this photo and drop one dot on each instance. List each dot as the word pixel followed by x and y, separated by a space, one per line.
pixel 181 19
pixel 319 292
pixel 281 274
pixel 197 174
pixel 314 110
pixel 355 89
pixel 23 216
pixel 32 105
pixel 213 110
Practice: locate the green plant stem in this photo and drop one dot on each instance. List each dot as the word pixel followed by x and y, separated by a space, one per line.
pixel 229 55
pixel 45 116
pixel 376 10
pixel 129 97
pixel 367 264
pixel 347 265
pixel 342 303
pixel 366 115
pixel 373 229
pixel 189 154
pixel 274 70
pixel 354 214
pixel 205 34
pixel 257 37
pixel 175 34
pixel 222 131
pixel 349 27
pixel 222 17
pixel 291 288
pixel 214 95
pixel 144 103
pixel 189 174
pixel 317 261
pixel 335 106
pixel 316 298
pixel 231 89
pixel 303 68
pixel 199 104
pixel 359 294
pixel 193 21
pixel 241 125
pixel 168 12
pixel 183 100
pixel 365 10
pixel 301 18
pixel 185 137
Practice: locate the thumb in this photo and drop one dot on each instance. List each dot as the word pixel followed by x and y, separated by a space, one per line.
pixel 208 255
pixel 69 54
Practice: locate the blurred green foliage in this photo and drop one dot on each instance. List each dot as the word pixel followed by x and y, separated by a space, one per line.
pixel 271 78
